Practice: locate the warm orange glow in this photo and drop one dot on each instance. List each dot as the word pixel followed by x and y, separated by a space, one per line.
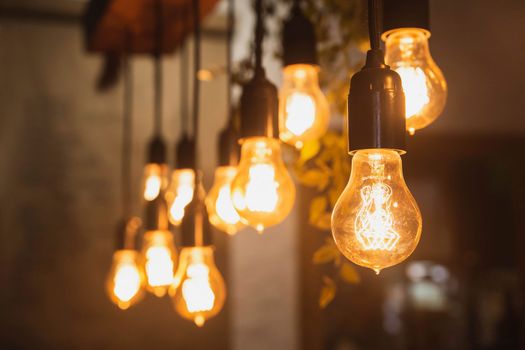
pixel 159 259
pixel 263 192
pixel 425 87
pixel 303 110
pixel 180 193
pixel 219 202
pixel 154 180
pixel 125 279
pixel 199 292
pixel 376 222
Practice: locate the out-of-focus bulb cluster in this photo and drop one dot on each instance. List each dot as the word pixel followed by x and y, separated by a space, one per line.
pixel 125 279
pixel 303 110
pixel 159 259
pixel 198 291
pixel 219 202
pixel 180 194
pixel 263 191
pixel 425 88
pixel 376 222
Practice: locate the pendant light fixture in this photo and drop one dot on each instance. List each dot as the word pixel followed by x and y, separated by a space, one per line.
pixel 376 222
pixel 125 280
pixel 406 33
pixel 198 291
pixel 180 191
pixel 219 201
pixel 158 254
pixel 303 110
pixel 263 191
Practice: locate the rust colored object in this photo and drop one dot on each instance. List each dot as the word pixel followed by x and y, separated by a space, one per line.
pixel 115 26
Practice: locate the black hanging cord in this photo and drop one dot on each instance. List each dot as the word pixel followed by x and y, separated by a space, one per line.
pixel 126 137
pixel 229 58
pixel 158 68
pixel 196 85
pixel 374 23
pixel 184 64
pixel 259 34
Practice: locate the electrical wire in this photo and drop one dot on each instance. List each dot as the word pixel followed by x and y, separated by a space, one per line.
pixel 374 23
pixel 184 64
pixel 196 84
pixel 229 58
pixel 127 130
pixel 158 69
pixel 259 34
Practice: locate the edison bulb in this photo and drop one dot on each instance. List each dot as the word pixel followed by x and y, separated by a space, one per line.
pixel 155 180
pixel 376 222
pixel 425 87
pixel 219 202
pixel 159 259
pixel 180 194
pixel 263 192
pixel 199 289
pixel 303 110
pixel 125 279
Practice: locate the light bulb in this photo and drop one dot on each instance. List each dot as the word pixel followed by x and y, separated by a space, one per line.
pixel 125 279
pixel 303 110
pixel 159 259
pixel 199 289
pixel 425 87
pixel 376 222
pixel 263 192
pixel 219 202
pixel 180 194
pixel 154 180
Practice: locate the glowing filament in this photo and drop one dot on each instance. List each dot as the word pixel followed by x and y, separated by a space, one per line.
pixel 159 266
pixel 197 292
pixel 224 206
pixel 126 282
pixel 300 113
pixel 415 88
pixel 261 190
pixel 373 223
pixel 152 188
pixel 183 198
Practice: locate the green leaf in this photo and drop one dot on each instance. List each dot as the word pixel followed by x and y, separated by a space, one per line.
pixel 349 274
pixel 326 254
pixel 314 178
pixel 327 292
pixel 317 208
pixel 310 149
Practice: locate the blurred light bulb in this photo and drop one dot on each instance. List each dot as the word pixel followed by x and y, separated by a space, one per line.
pixel 199 291
pixel 263 192
pixel 303 110
pixel 180 194
pixel 159 259
pixel 125 279
pixel 219 202
pixel 376 222
pixel 154 180
pixel 425 87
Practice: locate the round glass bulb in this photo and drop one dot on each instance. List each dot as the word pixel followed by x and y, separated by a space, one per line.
pixel 159 260
pixel 423 82
pixel 263 192
pixel 303 110
pixel 125 279
pixel 376 222
pixel 199 289
pixel 155 180
pixel 180 194
pixel 219 202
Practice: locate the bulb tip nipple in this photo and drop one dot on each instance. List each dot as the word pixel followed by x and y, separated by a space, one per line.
pixel 260 229
pixel 411 131
pixel 377 271
pixel 199 321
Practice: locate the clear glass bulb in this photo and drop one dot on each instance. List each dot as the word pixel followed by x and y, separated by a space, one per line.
pixel 199 290
pixel 219 202
pixel 159 260
pixel 155 180
pixel 180 194
pixel 303 110
pixel 376 222
pixel 263 192
pixel 125 279
pixel 425 87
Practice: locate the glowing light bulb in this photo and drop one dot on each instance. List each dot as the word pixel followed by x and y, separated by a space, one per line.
pixel 199 291
pixel 376 222
pixel 303 110
pixel 159 259
pixel 154 180
pixel 125 279
pixel 263 192
pixel 425 87
pixel 219 202
pixel 180 194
